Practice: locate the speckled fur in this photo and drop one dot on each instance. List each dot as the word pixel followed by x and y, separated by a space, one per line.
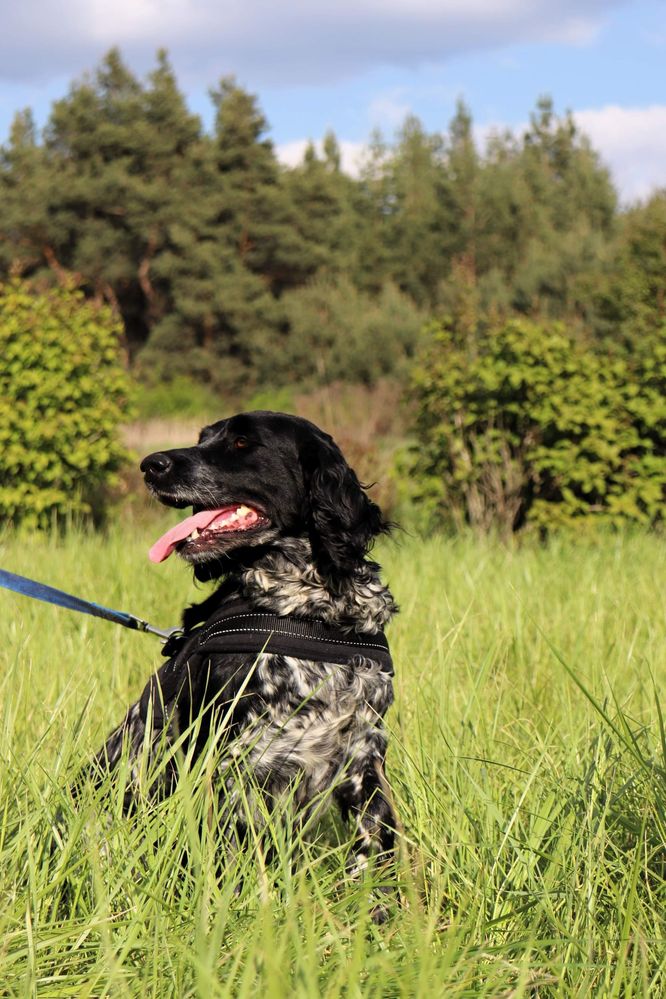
pixel 308 729
pixel 287 582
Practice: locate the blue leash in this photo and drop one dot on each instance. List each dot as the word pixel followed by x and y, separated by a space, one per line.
pixel 40 591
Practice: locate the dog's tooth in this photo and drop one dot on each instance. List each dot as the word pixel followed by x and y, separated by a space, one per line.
pixel 195 533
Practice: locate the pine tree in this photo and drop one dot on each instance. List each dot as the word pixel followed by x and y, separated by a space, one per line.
pixel 420 220
pixel 121 148
pixel 203 242
pixel 633 299
pixel 25 230
pixel 375 208
pixel 322 198
pixel 232 253
pixel 89 143
pixel 568 217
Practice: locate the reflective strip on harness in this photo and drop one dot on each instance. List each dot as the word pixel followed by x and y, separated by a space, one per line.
pixel 234 629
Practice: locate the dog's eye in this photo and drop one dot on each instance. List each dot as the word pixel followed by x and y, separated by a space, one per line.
pixel 241 442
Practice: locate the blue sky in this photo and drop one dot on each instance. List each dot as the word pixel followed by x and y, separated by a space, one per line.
pixel 360 64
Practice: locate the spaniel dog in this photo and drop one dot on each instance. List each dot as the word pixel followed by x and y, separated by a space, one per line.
pixel 282 524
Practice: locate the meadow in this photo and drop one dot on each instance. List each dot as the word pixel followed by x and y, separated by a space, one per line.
pixel 527 758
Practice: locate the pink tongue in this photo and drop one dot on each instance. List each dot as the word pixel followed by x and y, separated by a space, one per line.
pixel 166 544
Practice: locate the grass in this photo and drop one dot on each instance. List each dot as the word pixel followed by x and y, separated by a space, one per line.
pixel 527 760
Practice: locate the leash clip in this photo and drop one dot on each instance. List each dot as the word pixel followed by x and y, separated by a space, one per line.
pixel 164 633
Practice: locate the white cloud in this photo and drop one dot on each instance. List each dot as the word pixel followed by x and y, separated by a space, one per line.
pixel 389 110
pixel 352 154
pixel 576 31
pixel 134 20
pixel 632 141
pixel 296 42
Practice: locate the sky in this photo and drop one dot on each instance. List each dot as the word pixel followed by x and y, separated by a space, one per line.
pixel 356 65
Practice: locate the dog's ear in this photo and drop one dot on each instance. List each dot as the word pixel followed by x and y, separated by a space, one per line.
pixel 342 519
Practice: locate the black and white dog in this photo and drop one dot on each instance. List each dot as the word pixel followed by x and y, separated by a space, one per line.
pixel 282 522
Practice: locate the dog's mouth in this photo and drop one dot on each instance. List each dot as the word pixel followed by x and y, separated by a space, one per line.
pixel 206 529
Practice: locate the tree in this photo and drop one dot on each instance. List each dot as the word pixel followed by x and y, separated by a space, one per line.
pixel 26 233
pixel 201 242
pixel 322 199
pixel 632 303
pixel 568 218
pixel 419 213
pixel 336 332
pixel 230 254
pixel 119 148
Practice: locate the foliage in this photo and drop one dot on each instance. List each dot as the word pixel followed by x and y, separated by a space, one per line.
pixel 529 222
pixel 231 250
pixel 335 332
pixel 63 392
pixel 203 242
pixel 175 397
pixel 527 427
pixel 325 218
pixel 534 811
pixel 631 302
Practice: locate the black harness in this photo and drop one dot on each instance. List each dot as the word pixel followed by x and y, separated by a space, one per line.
pixel 237 628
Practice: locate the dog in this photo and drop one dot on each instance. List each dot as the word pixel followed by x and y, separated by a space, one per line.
pixel 283 526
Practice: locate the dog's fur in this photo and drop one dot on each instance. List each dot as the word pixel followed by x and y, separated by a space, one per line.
pixel 310 729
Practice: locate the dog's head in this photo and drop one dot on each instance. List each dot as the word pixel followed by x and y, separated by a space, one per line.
pixel 255 478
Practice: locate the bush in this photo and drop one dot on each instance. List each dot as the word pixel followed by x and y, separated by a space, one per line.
pixel 338 333
pixel 529 428
pixel 63 392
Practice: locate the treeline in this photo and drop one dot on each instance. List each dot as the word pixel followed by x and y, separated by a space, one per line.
pixel 226 266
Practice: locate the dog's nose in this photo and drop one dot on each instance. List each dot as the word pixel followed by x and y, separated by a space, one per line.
pixel 156 465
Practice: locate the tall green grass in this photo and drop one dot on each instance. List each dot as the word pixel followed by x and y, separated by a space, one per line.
pixel 527 760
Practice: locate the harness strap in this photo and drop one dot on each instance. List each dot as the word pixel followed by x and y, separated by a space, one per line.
pixel 236 629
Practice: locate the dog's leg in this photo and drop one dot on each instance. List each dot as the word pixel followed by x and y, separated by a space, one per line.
pixel 365 796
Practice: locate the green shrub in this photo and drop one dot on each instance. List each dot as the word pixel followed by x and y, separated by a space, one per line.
pixel 338 333
pixel 527 427
pixel 63 392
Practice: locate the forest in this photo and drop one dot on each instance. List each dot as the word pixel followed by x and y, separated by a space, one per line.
pixel 229 267
pixel 228 273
